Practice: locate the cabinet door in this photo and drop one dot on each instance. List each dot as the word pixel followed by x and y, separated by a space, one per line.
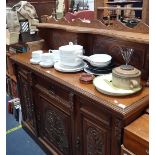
pixel 94 137
pixel 25 91
pixel 53 123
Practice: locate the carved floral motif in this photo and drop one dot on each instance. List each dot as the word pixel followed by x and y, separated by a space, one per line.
pixel 29 107
pixel 95 142
pixel 55 130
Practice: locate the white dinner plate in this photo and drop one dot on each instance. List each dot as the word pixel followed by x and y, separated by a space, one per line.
pixel 104 85
pixel 59 67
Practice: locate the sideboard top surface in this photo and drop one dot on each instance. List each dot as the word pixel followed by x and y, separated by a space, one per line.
pixel 71 80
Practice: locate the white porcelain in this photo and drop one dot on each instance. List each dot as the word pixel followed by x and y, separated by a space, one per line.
pixel 47 57
pixel 56 55
pixel 60 67
pixel 71 61
pixel 46 64
pixel 69 54
pixel 35 61
pixel 104 85
pixel 36 54
pixel 98 60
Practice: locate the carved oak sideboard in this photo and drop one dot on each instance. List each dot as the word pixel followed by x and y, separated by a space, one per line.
pixel 70 118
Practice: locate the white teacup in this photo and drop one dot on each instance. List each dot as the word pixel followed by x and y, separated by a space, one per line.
pixel 56 55
pixel 36 55
pixel 47 58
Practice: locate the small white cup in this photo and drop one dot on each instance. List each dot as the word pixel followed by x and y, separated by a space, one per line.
pixel 47 57
pixel 56 55
pixel 36 54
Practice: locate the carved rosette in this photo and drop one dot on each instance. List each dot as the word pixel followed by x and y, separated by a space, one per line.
pixel 95 142
pixel 55 130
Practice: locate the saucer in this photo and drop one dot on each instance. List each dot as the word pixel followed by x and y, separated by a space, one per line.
pixel 104 85
pixel 59 67
pixel 34 61
pixel 46 64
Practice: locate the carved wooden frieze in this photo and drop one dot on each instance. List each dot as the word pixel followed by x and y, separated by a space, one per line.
pixel 55 130
pixel 115 25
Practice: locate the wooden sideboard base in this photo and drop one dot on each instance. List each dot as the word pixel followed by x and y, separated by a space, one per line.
pixel 71 118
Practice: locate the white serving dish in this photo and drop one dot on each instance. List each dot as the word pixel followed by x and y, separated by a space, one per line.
pixel 98 60
pixel 104 85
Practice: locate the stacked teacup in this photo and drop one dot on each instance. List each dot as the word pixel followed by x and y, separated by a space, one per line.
pixel 36 57
pixel 69 55
pixel 46 60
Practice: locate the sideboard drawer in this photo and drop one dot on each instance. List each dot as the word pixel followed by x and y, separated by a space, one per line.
pixel 53 88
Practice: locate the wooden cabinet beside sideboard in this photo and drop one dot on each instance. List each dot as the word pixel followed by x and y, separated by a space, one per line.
pixel 67 117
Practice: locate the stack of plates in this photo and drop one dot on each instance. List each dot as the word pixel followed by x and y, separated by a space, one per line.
pixel 99 70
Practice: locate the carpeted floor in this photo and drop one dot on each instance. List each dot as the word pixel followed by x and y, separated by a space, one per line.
pixel 18 142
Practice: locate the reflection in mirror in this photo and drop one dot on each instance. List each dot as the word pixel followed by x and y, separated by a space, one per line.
pixel 77 5
pixel 127 11
pixel 72 8
pixel 60 8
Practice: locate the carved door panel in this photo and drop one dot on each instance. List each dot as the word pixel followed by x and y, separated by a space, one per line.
pixel 93 131
pixel 26 100
pixel 95 138
pixel 54 125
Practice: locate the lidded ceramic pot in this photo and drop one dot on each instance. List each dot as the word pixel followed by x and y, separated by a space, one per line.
pixel 126 78
pixel 69 54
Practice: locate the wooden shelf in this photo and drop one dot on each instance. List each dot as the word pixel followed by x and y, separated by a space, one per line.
pixel 119 8
pixel 123 35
